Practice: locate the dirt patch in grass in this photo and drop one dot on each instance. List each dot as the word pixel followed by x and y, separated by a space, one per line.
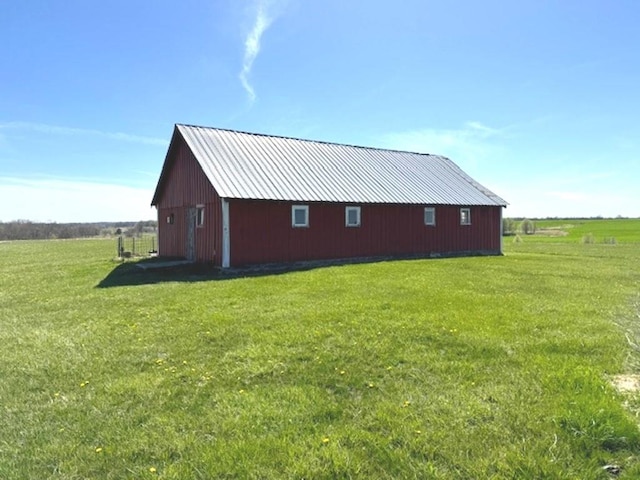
pixel 629 383
pixel 552 232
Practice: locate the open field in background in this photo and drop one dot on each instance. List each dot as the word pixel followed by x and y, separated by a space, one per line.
pixel 487 367
pixel 622 230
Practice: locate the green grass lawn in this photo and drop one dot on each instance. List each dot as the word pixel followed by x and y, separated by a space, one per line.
pixel 486 367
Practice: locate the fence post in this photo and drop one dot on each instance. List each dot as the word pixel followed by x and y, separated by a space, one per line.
pixel 133 247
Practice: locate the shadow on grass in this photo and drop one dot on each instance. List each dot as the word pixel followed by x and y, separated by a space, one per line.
pixel 152 271
pixel 146 272
pixel 158 270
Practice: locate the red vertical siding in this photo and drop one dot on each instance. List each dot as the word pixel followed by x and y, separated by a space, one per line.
pixel 261 232
pixel 185 186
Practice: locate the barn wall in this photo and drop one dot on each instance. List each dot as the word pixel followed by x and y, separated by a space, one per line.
pixel 261 232
pixel 184 187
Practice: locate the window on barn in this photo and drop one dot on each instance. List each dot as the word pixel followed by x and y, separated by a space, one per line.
pixel 199 215
pixel 465 216
pixel 352 216
pixel 430 216
pixel 170 219
pixel 300 215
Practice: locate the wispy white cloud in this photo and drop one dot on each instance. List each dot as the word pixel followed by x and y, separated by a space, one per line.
pixel 266 12
pixel 467 145
pixel 71 200
pixel 568 196
pixel 539 199
pixel 72 131
pixel 532 189
pixel 567 178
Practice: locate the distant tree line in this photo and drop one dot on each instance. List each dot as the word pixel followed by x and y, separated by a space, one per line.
pixel 138 229
pixel 27 230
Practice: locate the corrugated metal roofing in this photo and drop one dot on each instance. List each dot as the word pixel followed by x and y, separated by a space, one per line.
pixel 254 166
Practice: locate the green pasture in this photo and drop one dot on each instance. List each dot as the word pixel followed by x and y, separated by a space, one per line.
pixel 469 368
pixel 622 230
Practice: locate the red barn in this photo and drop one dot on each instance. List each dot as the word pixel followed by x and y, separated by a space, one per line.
pixel 234 199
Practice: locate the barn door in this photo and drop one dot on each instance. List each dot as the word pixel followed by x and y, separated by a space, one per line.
pixel 191 234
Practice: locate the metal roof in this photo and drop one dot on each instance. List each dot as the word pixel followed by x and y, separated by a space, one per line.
pixel 254 166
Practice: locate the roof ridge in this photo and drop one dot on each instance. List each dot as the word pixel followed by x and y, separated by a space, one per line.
pixel 307 140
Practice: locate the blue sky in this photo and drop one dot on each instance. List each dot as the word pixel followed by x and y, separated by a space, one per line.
pixel 538 100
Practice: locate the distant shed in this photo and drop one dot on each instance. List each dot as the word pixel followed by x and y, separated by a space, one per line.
pixel 235 199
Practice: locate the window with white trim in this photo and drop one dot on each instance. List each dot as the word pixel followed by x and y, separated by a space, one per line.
pixel 352 216
pixel 465 216
pixel 199 215
pixel 430 216
pixel 300 215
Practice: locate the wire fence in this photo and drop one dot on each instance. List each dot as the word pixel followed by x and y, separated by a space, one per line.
pixel 137 246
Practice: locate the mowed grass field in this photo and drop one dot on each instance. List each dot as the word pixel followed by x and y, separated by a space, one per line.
pixel 620 229
pixel 471 368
